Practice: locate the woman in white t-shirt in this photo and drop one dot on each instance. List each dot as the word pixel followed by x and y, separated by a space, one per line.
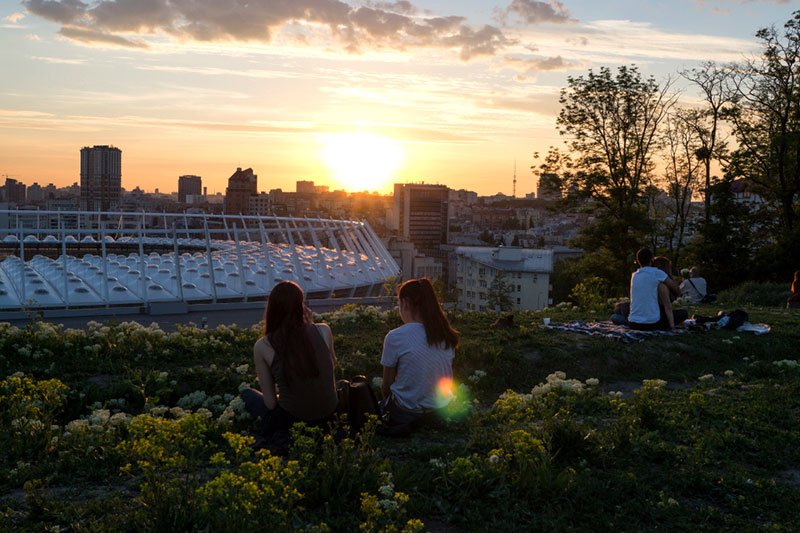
pixel 418 356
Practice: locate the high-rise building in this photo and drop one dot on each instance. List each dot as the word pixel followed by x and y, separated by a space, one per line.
pixel 241 186
pixel 422 212
pixel 101 178
pixel 14 192
pixel 305 187
pixel 189 185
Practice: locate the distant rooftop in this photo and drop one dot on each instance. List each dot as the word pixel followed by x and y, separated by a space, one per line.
pixel 510 258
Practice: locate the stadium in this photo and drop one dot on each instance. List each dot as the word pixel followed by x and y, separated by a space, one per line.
pixel 73 260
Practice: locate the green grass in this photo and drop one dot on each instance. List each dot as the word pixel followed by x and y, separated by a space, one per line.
pixel 719 454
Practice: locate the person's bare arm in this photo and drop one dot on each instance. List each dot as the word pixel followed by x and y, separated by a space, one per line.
pixel 672 285
pixel 389 375
pixel 262 358
pixel 327 335
pixel 666 303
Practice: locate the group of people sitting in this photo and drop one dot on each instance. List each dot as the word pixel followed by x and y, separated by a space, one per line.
pixel 295 361
pixel 652 292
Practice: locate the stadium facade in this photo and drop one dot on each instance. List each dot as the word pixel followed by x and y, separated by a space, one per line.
pixel 89 259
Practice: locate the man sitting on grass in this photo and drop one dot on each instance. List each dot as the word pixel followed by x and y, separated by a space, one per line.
pixel 651 309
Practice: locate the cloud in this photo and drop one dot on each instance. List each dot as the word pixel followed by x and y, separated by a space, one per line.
pixel 535 12
pixel 59 60
pixel 391 25
pixel 529 66
pixel 15 17
pixel 87 35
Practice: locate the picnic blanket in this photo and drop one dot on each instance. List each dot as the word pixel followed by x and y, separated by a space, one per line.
pixel 610 330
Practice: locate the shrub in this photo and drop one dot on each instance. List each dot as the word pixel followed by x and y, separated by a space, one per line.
pixel 755 293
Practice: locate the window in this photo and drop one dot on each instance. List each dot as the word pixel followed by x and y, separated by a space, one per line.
pixel 519 288
pixel 518 301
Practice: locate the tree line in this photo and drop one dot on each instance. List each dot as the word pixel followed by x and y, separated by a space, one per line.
pixel 636 155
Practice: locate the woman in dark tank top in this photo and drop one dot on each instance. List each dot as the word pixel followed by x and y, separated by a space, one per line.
pixel 295 362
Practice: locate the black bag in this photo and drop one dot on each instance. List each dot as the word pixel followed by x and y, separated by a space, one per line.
pixel 708 299
pixel 736 318
pixel 357 400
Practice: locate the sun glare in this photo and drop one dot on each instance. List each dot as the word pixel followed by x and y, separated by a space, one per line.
pixel 362 161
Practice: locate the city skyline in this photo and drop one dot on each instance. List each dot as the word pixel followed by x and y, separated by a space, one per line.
pixel 433 91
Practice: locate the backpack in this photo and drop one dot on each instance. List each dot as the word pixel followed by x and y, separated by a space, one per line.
pixel 357 400
pixel 732 319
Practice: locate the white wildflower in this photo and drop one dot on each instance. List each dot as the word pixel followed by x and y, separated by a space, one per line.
pixel 494 459
pixel 387 491
pixel 205 413
pixel 99 417
pixel 729 373
pixel 118 419
pixel 158 410
pixel 593 382
pixel 242 369
pixel 76 426
pixel 706 377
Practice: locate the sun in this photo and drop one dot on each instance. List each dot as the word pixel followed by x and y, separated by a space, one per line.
pixel 362 161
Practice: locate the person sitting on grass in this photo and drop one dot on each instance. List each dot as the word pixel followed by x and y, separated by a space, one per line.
pixel 294 361
pixel 694 288
pixel 794 299
pixel 651 306
pixel 417 358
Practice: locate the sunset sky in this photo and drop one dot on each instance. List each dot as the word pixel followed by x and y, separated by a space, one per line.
pixel 354 95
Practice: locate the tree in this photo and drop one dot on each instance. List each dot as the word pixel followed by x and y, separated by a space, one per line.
pixel 612 123
pixel 499 293
pixel 766 119
pixel 724 249
pixel 681 141
pixel 713 83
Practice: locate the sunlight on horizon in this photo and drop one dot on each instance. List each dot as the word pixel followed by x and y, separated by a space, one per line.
pixel 362 161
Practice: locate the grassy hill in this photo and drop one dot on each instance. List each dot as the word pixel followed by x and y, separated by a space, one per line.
pixel 121 427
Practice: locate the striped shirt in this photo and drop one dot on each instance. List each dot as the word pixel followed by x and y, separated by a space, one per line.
pixel 419 367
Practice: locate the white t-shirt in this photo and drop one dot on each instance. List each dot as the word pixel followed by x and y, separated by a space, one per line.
pixel 696 293
pixel 644 295
pixel 419 367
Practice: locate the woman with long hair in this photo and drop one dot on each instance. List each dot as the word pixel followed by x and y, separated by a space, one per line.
pixel 418 356
pixel 295 362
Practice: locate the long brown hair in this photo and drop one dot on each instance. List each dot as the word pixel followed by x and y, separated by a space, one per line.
pixel 663 263
pixel 420 295
pixel 285 328
pixel 796 283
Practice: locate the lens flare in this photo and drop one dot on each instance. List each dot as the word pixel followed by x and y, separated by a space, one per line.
pixel 445 391
pixel 453 398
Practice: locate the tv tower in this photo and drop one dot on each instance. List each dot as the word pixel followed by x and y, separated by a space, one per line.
pixel 514 188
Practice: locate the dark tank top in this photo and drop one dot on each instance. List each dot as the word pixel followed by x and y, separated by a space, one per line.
pixel 312 398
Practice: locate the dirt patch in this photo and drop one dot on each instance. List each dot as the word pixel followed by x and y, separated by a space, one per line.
pixel 101 381
pixel 533 357
pixel 625 387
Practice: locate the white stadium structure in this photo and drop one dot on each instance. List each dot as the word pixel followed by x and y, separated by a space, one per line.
pixel 80 259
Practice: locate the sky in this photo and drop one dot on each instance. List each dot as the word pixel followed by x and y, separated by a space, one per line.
pixel 350 94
